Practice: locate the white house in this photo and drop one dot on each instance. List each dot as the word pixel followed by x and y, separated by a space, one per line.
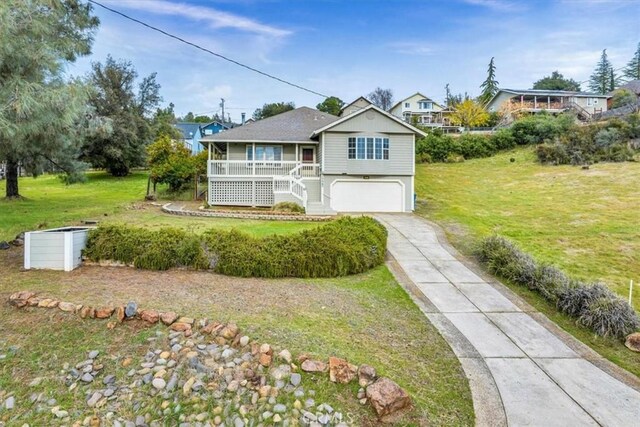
pixel 424 111
pixel 360 162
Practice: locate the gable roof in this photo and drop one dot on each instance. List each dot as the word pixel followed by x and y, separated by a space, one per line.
pixel 188 129
pixel 360 98
pixel 633 86
pixel 216 122
pixel 409 97
pixel 291 126
pixel 357 113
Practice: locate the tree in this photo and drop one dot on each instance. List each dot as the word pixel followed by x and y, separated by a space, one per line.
pixel 170 162
pixel 381 98
pixel 39 110
pixel 603 79
pixel 270 110
pixel 557 81
pixel 202 119
pixel 622 97
pixel 115 99
pixel 469 114
pixel 632 70
pixel 452 100
pixel 188 117
pixel 163 123
pixel 331 105
pixel 490 85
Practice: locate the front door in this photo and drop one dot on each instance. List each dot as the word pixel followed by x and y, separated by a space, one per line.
pixel 308 155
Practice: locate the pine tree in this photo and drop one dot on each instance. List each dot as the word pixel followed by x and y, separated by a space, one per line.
pixel 43 114
pixel 490 85
pixel 603 77
pixel 632 70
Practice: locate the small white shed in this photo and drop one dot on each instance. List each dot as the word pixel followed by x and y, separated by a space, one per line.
pixel 55 249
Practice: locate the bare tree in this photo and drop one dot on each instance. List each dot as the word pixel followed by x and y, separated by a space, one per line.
pixel 381 98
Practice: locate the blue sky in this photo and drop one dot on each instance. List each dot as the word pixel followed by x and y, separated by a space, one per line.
pixel 348 47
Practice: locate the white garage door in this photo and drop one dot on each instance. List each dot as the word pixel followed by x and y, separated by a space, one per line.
pixel 367 196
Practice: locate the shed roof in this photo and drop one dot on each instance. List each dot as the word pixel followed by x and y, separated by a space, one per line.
pixel 291 126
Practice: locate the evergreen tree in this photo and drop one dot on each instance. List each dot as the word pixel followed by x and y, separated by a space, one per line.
pixel 632 70
pixel 331 105
pixel 557 81
pixel 40 112
pixel 603 79
pixel 490 85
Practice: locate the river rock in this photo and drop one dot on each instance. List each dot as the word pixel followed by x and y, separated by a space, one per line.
pixel 131 309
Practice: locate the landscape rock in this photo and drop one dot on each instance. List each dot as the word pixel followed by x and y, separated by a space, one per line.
pixel 10 403
pixel 285 355
pixel 87 312
pixel 4 245
pixel 93 400
pixel 180 327
pixel 341 371
pixel 633 342
pixel 104 312
pixel 188 320
pixel 387 398
pixel 158 383
pixel 19 299
pixel 230 331
pixel 168 317
pixel 313 366
pixel 67 306
pixel 131 309
pixel 150 316
pixel 120 313
pixel 366 375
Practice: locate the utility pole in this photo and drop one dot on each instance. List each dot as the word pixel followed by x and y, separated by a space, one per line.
pixel 222 106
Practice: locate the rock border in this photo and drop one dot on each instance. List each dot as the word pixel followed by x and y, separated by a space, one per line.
pixel 244 214
pixel 387 398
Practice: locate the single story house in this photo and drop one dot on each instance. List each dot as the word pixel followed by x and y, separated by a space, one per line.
pixel 360 162
pixel 584 104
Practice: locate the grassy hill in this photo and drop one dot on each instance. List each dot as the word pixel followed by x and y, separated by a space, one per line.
pixel 587 222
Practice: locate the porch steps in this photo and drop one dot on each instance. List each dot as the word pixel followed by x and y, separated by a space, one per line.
pixel 317 208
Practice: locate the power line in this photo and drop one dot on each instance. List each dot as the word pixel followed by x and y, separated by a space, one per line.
pixel 204 49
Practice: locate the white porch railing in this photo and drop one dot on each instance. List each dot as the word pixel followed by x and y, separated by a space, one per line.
pixel 242 168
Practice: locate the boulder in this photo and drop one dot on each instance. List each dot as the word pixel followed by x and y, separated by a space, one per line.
pixel 19 299
pixel 341 371
pixel 387 398
pixel 366 375
pixel 633 342
pixel 104 312
pixel 313 366
pixel 150 316
pixel 131 309
pixel 87 312
pixel 168 318
pixel 230 331
pixel 67 306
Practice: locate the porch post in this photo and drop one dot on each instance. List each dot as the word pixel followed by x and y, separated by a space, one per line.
pixel 535 102
pixel 297 154
pixel 253 158
pixel 548 102
pixel 209 162
pixel 521 101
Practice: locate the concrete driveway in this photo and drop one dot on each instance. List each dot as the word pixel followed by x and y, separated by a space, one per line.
pixel 522 369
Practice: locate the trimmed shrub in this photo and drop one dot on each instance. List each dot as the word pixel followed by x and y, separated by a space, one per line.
pixel 476 146
pixel 594 306
pixel 342 247
pixel 437 147
pixel 287 207
pixel 503 139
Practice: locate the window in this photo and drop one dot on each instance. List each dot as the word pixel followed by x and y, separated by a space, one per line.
pixel 407 105
pixel 368 148
pixel 425 105
pixel 265 153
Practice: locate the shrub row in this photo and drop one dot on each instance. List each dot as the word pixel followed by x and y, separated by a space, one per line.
pixel 344 246
pixel 615 140
pixel 593 305
pixel 437 147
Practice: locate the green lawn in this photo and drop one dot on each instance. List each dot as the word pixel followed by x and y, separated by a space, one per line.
pixel 584 221
pixel 50 203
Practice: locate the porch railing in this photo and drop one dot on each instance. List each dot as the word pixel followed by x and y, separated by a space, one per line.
pixel 243 168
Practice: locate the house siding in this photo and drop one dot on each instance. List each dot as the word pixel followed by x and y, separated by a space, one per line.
pixel 400 109
pixel 237 151
pixel 46 250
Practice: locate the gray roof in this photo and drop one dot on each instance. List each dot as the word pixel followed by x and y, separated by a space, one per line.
pixel 542 92
pixel 292 126
pixel 188 129
pixel 633 86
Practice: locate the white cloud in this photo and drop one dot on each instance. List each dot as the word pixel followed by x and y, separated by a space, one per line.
pixel 215 18
pixel 498 5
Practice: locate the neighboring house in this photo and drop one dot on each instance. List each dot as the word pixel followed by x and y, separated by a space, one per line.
pixel 355 106
pixel 632 86
pixel 361 162
pixel 422 110
pixel 191 135
pixel 584 104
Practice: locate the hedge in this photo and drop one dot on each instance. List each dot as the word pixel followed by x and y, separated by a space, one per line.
pixel 593 305
pixel 341 247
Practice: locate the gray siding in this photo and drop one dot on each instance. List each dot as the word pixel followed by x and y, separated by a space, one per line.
pixel 327 180
pixel 313 189
pixel 401 155
pixel 47 250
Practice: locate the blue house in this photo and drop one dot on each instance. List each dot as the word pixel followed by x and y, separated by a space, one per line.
pixel 193 132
